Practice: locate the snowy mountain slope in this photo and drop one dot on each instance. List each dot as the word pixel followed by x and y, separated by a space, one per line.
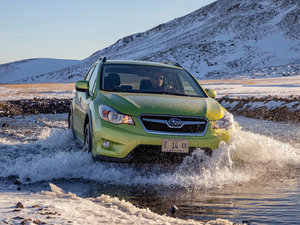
pixel 227 38
pixel 31 67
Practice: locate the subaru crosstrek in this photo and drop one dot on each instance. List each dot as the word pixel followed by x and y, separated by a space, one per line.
pixel 135 110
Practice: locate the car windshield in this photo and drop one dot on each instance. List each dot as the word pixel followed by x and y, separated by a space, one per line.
pixel 149 79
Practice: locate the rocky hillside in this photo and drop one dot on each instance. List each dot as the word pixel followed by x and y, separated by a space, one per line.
pixel 228 38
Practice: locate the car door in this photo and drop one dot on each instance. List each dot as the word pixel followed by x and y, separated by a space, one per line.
pixel 84 99
pixel 77 105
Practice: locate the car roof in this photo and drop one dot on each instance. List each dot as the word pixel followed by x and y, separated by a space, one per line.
pixel 144 63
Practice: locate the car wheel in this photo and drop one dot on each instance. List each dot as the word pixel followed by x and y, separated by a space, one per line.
pixel 70 123
pixel 88 142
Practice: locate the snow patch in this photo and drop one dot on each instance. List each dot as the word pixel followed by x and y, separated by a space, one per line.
pixel 67 208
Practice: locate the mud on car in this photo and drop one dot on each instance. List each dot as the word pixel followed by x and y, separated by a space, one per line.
pixel 134 110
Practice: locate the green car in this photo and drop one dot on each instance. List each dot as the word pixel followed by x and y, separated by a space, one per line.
pixel 133 111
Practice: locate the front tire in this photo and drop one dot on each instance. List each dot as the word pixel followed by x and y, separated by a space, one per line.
pixel 88 141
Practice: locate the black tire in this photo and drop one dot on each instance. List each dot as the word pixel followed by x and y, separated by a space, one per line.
pixel 70 123
pixel 88 141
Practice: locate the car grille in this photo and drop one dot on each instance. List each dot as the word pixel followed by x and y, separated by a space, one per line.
pixel 159 124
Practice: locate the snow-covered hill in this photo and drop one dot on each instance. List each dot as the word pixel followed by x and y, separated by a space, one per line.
pixel 227 38
pixel 19 70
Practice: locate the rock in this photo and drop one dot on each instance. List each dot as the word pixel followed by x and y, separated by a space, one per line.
pixel 18 218
pixel 35 206
pixel 24 222
pixel 5 125
pixel 19 205
pixel 36 221
pixel 50 217
pixel 173 209
pixel 17 182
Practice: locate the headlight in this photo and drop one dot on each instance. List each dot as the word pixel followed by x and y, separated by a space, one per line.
pixel 112 116
pixel 225 123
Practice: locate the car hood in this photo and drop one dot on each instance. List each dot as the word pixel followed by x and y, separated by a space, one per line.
pixel 135 104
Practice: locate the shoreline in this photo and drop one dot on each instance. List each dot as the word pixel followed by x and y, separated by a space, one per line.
pixel 267 108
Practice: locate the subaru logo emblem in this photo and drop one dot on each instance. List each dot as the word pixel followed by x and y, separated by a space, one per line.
pixel 175 122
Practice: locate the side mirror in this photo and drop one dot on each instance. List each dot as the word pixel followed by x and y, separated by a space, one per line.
pixel 82 85
pixel 211 93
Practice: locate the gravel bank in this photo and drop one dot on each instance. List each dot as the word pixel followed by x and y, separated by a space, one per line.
pixel 267 108
pixel 33 106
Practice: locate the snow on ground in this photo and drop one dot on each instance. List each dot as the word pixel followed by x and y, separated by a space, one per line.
pixel 281 87
pixel 30 91
pixel 276 99
pixel 292 106
pixel 58 207
pixel 272 104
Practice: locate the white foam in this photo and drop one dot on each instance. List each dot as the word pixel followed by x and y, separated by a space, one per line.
pixel 254 148
pixel 55 156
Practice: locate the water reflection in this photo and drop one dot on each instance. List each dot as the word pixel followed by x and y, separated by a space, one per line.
pixel 273 201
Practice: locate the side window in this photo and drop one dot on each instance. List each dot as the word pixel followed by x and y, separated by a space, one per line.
pixel 89 73
pixel 93 79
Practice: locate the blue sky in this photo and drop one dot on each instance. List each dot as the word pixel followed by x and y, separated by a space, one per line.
pixel 74 29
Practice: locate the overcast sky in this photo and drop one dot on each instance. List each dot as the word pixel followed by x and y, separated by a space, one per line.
pixel 74 29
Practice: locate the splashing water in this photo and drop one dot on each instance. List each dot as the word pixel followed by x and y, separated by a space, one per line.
pixel 55 156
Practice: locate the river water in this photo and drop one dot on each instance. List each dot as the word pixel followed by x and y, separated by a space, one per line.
pixel 253 179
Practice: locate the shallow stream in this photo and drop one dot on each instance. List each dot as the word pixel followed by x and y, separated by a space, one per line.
pixel 253 179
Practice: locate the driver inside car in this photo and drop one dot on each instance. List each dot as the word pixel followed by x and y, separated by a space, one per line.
pixel 158 82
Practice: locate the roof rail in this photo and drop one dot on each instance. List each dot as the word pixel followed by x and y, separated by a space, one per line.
pixel 173 63
pixel 102 59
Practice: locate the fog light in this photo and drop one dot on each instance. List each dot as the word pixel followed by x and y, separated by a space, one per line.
pixel 106 144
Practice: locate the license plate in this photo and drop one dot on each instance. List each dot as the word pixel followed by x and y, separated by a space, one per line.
pixel 175 145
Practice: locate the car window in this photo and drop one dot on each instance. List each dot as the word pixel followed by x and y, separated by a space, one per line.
pixel 187 87
pixel 93 79
pixel 149 79
pixel 89 73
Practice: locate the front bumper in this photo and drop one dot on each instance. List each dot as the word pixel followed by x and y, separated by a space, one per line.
pixel 127 141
